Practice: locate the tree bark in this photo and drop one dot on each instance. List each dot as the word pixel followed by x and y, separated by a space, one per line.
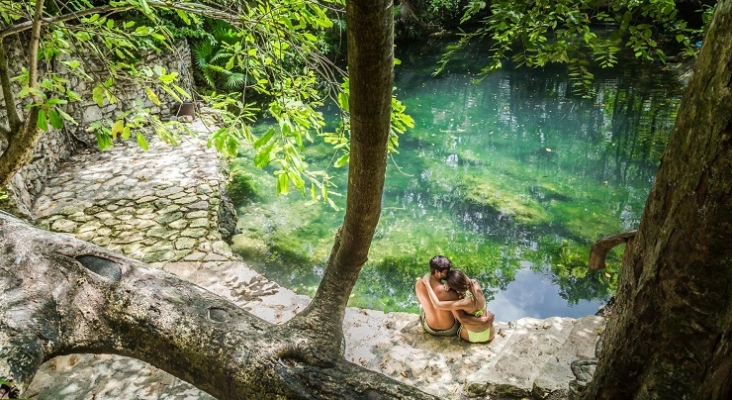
pixel 59 295
pixel 370 68
pixel 21 137
pixel 670 336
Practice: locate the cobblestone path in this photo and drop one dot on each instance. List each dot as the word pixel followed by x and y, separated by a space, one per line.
pixel 159 205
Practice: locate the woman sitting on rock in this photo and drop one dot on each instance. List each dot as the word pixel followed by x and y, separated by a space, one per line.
pixel 471 302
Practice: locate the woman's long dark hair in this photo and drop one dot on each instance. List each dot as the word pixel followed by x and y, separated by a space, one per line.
pixel 458 281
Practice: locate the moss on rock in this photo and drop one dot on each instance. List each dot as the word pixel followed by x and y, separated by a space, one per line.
pixel 242 186
pixel 521 207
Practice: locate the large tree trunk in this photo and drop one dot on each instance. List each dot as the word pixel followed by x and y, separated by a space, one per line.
pixel 59 295
pixel 370 69
pixel 670 337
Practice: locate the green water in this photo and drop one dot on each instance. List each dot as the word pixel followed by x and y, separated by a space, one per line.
pixel 512 178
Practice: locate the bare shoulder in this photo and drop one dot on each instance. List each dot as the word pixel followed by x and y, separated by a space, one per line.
pixel 445 294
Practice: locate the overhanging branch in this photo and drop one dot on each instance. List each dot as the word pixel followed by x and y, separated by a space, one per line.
pixel 106 9
pixel 60 296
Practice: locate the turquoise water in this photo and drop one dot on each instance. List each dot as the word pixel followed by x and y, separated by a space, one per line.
pixel 512 178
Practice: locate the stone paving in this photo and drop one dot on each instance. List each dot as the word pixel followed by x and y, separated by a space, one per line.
pixel 159 205
pixel 164 207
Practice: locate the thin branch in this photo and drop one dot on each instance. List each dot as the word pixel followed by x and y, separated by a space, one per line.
pixel 33 45
pixel 190 7
pixel 23 26
pixel 599 249
pixel 13 119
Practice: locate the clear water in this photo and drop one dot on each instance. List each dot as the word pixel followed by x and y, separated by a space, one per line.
pixel 512 178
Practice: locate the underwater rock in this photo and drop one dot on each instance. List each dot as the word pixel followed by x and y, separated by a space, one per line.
pixel 521 208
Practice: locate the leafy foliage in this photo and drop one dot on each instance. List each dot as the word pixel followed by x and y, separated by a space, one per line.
pixel 257 57
pixel 575 32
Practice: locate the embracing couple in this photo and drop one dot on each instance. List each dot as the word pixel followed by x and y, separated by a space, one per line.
pixel 453 304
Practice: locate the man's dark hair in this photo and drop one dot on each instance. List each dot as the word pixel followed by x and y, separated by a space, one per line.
pixel 440 263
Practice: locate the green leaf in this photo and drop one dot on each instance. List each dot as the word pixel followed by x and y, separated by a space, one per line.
pixel 55 101
pixel 184 17
pixel 41 122
pixel 172 94
pixel 145 7
pixel 104 141
pixel 296 180
pixel 98 95
pixel 67 117
pixel 126 133
pixel 263 157
pixel 343 160
pixel 152 96
pixel 283 184
pixel 168 78
pixel 55 119
pixel 264 139
pixel 230 64
pixel 181 91
pixel 73 64
pixel 343 101
pixel 117 128
pixel 232 146
pixel 141 141
pixel 73 96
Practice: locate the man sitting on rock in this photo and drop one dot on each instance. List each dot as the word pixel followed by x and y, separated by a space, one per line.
pixel 441 322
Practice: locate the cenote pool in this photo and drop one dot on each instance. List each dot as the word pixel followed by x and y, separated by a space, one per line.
pixel 512 178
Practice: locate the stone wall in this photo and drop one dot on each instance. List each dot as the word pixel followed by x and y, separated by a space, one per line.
pixel 55 145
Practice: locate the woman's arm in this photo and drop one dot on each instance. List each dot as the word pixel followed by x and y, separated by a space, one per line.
pixel 469 319
pixel 439 304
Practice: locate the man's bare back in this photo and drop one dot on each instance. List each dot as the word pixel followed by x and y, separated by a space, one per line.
pixel 438 320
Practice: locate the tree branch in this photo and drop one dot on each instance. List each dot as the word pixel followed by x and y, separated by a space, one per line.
pixel 24 26
pixel 189 7
pixel 13 118
pixel 59 295
pixel 33 45
pixel 599 249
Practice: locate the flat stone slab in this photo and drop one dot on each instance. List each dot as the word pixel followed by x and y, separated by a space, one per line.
pixel 533 342
pixel 580 345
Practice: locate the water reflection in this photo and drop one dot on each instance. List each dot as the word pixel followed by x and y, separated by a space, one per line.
pixel 512 178
pixel 534 295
